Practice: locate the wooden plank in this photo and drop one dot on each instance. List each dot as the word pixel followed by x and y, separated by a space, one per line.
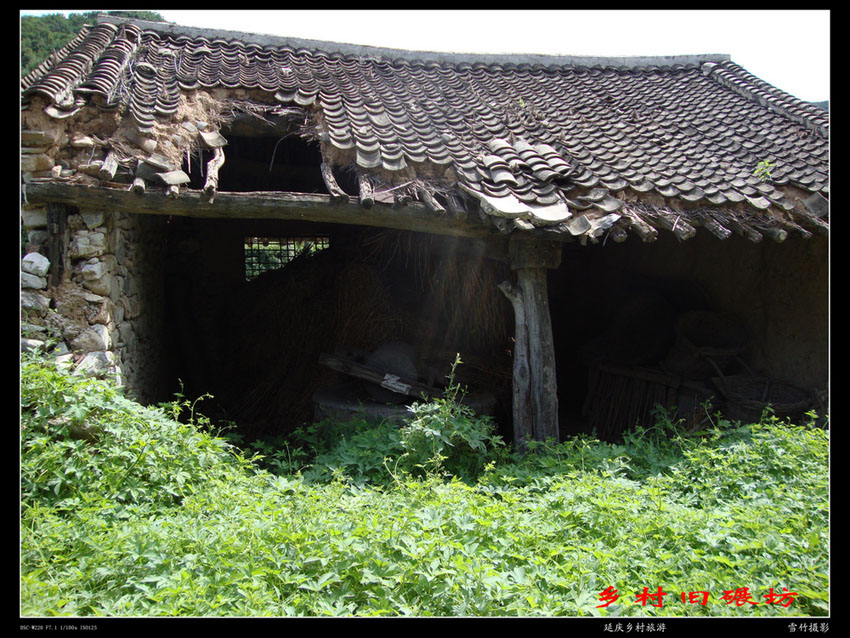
pixel 393 382
pixel 256 205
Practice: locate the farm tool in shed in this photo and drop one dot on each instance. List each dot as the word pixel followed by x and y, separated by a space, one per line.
pixel 389 372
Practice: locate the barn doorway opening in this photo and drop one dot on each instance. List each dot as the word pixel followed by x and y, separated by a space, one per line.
pixel 615 332
pixel 253 338
pixel 688 325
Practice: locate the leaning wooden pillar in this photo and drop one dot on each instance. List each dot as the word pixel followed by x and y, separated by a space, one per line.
pixel 530 259
pixel 521 395
pixel 213 167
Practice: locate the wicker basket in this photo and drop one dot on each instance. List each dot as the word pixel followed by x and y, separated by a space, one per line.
pixel 747 397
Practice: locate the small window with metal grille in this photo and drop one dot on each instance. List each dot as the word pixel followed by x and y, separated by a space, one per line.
pixel 272 253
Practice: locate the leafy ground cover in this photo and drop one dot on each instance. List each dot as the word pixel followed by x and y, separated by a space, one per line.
pixel 131 511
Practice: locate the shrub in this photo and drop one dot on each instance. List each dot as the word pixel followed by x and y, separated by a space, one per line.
pixel 81 436
pixel 442 438
pixel 446 437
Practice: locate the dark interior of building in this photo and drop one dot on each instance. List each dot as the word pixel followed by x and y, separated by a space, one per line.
pixel 254 340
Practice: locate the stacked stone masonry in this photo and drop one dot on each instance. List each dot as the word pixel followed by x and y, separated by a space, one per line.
pixel 105 315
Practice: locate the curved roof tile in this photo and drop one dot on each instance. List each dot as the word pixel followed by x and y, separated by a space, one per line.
pixel 518 134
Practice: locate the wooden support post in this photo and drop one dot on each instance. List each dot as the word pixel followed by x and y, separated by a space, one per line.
pixel 745 231
pixel 401 196
pixel 429 200
pixel 138 186
pixel 455 206
pixel 367 196
pixel 530 259
pixel 57 242
pixel 109 167
pixel 675 224
pixel 715 227
pixel 646 232
pixel 813 222
pixel 617 234
pixel 521 399
pixel 544 386
pixel 336 193
pixel 213 167
pixel 776 234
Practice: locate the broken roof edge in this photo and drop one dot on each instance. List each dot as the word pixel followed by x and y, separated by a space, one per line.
pixel 368 51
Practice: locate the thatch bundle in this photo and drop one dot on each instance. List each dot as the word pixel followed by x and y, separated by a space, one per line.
pixel 364 314
pixel 466 305
pixel 360 294
pixel 454 299
pixel 283 320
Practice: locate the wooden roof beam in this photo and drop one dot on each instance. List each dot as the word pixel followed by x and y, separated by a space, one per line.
pixel 414 216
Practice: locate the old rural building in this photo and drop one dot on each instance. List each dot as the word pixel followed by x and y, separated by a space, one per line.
pixel 592 235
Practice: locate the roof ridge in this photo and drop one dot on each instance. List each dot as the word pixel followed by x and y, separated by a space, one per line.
pixel 369 51
pixel 743 82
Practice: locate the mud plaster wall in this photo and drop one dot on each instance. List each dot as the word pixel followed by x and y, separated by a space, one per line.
pixel 781 290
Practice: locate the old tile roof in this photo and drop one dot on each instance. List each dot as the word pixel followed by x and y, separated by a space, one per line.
pixel 579 146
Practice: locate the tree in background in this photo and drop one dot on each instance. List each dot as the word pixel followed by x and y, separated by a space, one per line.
pixel 42 35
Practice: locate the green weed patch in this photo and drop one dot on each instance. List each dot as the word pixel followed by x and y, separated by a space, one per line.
pixel 126 511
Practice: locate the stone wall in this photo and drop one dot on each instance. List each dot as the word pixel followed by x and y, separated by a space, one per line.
pixel 103 309
pixel 141 246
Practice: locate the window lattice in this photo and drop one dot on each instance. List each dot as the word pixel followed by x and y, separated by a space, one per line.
pixel 265 253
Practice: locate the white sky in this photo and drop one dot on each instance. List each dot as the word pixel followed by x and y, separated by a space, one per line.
pixel 789 49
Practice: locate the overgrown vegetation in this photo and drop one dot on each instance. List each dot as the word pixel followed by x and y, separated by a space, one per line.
pixel 128 511
pixel 443 438
pixel 762 171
